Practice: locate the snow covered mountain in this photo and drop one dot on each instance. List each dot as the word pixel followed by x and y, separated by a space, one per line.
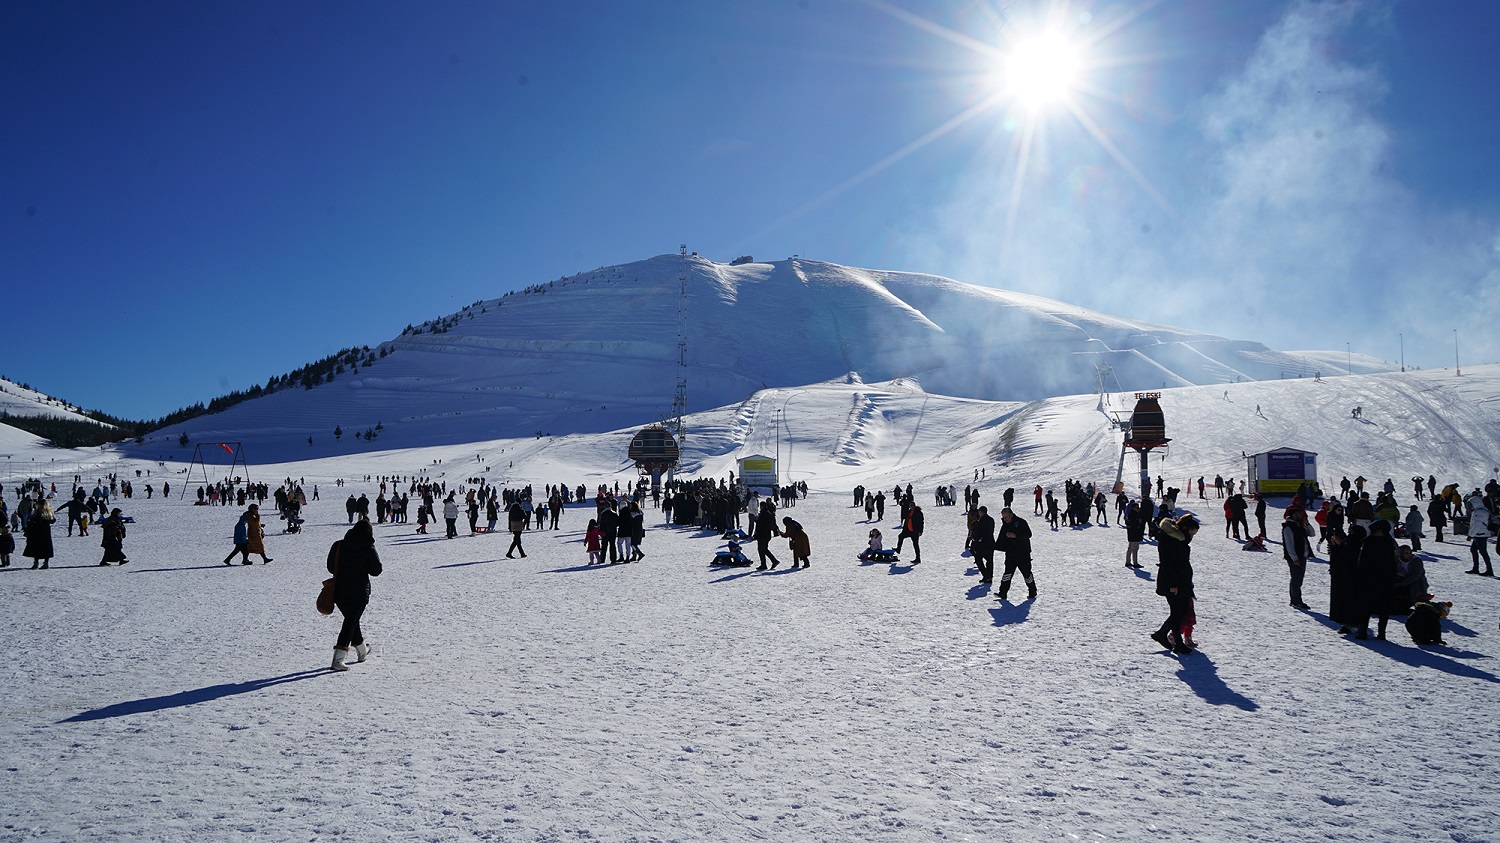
pixel 598 351
pixel 19 400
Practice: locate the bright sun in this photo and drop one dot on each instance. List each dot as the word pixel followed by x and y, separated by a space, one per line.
pixel 1040 70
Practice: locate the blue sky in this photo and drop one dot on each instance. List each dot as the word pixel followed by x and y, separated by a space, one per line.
pixel 197 196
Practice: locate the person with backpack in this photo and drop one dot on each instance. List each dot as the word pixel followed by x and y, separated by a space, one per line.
pixel 911 528
pixel 352 561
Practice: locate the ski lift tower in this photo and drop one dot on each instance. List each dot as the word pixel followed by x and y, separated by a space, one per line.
pixel 679 396
pixel 653 450
pixel 1146 429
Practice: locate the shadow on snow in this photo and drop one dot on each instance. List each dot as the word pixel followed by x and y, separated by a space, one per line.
pixel 193 697
pixel 1200 674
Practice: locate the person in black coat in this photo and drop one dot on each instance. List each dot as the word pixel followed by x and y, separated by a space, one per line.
pixel 1376 579
pixel 1174 578
pixel 982 545
pixel 609 531
pixel 515 518
pixel 1135 533
pixel 765 530
pixel 38 533
pixel 113 540
pixel 1437 516
pixel 352 561
pixel 1343 577
pixel 635 521
pixel 1015 542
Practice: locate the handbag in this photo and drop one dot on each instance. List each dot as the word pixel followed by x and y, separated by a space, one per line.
pixel 325 597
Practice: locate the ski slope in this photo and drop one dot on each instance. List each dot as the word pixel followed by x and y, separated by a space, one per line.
pixel 541 699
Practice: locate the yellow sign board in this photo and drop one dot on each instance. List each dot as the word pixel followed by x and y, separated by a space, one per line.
pixel 757 465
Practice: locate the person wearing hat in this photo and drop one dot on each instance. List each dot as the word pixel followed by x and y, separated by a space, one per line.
pixel 1296 548
pixel 1414 524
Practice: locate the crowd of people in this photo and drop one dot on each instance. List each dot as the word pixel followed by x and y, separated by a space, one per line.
pixel 1373 575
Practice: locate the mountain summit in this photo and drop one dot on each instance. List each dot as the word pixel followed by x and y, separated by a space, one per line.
pixel 598 351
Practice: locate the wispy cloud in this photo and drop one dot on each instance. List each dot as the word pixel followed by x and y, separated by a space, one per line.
pixel 1287 223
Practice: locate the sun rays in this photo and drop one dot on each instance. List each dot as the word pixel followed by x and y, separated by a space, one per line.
pixel 1036 68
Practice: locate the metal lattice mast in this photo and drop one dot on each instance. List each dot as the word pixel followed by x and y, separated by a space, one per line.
pixel 679 398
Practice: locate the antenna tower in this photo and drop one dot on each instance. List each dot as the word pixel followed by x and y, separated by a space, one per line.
pixel 679 398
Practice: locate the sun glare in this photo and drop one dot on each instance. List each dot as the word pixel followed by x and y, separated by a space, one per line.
pixel 1040 70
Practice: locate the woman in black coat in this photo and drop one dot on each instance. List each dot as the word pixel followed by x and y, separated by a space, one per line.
pixel 113 540
pixel 1174 578
pixel 352 562
pixel 38 532
pixel 1343 577
pixel 1376 573
pixel 1437 516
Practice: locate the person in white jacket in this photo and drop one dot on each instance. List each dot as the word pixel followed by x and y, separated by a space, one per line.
pixel 1479 536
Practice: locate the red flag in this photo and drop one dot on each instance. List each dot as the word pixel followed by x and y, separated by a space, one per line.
pixel 228 450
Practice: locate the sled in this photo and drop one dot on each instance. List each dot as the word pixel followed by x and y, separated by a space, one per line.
pixel 879 556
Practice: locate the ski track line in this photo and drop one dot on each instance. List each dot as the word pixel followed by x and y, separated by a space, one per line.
pixel 916 431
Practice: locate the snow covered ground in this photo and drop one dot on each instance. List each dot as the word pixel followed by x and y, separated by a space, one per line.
pixel 540 699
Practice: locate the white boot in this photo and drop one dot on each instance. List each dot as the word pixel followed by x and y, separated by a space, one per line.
pixel 362 651
pixel 339 654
